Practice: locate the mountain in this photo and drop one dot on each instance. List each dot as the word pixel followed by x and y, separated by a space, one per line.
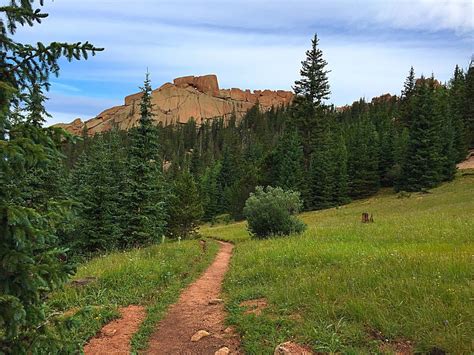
pixel 197 97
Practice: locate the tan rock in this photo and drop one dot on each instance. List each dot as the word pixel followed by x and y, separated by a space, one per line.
pixel 223 351
pixel 187 97
pixel 199 335
pixel 291 348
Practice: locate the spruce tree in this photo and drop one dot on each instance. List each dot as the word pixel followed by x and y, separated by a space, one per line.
pixel 31 263
pixel 314 83
pixel 469 105
pixel 422 164
pixel 144 194
pixel 289 162
pixel 457 103
pixel 363 159
pixel 185 207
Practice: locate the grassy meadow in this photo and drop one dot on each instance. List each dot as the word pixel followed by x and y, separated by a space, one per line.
pixel 152 277
pixel 402 283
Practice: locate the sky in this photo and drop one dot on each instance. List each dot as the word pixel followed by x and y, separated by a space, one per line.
pixel 250 44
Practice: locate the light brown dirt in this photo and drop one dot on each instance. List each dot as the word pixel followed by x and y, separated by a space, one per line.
pixel 468 163
pixel 193 312
pixel 255 306
pixel 114 338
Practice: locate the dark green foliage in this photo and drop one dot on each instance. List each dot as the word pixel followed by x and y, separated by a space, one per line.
pixel 469 105
pixel 457 104
pixel 144 190
pixel 210 191
pixel 271 212
pixel 185 207
pixel 97 184
pixel 288 162
pixel 422 165
pixel 363 159
pixel 314 83
pixel 32 205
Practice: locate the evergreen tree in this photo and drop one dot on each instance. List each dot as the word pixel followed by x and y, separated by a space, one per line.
pixel 363 159
pixel 308 110
pixel 314 83
pixel 185 207
pixel 341 189
pixel 31 263
pixel 144 194
pixel 457 103
pixel 289 162
pixel 96 186
pixel 406 98
pixel 469 105
pixel 422 165
pixel 209 191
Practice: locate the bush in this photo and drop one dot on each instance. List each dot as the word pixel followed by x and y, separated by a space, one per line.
pixel 270 211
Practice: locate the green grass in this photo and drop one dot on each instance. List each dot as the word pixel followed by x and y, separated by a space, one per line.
pixel 152 277
pixel 344 286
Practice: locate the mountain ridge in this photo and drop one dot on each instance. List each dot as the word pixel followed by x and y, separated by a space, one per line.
pixel 197 97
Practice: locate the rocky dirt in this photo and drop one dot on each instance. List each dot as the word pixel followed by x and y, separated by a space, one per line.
pixel 468 163
pixel 114 338
pixel 196 323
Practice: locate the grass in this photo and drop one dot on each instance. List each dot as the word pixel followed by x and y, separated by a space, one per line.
pixel 405 280
pixel 152 277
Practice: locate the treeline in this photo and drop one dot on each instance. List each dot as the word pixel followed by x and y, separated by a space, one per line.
pixel 410 142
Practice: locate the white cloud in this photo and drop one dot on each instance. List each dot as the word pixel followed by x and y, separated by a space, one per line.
pixel 254 44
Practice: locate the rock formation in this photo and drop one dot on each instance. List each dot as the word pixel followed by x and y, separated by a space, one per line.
pixel 197 97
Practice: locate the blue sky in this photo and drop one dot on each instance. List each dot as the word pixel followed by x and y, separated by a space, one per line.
pixel 255 44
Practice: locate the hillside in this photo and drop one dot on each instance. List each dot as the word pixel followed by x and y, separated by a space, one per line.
pixel 400 284
pixel 187 97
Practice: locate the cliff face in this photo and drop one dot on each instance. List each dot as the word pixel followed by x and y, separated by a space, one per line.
pixel 187 97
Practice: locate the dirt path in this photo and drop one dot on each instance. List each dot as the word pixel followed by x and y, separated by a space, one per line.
pixel 114 338
pixel 468 163
pixel 198 309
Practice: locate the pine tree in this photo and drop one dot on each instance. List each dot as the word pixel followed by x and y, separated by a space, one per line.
pixel 339 152
pixel 469 104
pixel 457 103
pixel 185 207
pixel 308 110
pixel 363 159
pixel 209 191
pixel 422 165
pixel 289 162
pixel 314 83
pixel 31 263
pixel 144 194
pixel 406 109
pixel 97 185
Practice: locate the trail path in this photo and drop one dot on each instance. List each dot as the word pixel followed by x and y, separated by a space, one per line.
pixel 198 309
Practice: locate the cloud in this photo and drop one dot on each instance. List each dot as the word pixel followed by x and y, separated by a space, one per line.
pixel 256 44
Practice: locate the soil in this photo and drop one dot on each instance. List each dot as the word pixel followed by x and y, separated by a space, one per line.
pixel 194 312
pixel 255 306
pixel 468 163
pixel 114 338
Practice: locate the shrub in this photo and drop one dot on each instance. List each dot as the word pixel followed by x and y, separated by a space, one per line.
pixel 270 211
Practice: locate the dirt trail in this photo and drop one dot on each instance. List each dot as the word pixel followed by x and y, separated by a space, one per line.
pixel 114 338
pixel 198 308
pixel 468 163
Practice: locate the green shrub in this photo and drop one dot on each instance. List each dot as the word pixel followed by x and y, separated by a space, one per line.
pixel 270 211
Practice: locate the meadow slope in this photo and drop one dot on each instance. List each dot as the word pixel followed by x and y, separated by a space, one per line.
pixel 151 277
pixel 403 283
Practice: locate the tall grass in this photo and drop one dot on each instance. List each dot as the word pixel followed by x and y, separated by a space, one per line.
pixel 152 277
pixel 345 286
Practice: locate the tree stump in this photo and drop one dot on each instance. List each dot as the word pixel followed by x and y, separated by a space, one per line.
pixel 366 218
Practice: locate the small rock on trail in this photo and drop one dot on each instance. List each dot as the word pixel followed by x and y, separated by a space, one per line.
pixel 114 338
pixel 199 308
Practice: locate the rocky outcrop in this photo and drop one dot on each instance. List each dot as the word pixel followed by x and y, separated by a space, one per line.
pixel 197 97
